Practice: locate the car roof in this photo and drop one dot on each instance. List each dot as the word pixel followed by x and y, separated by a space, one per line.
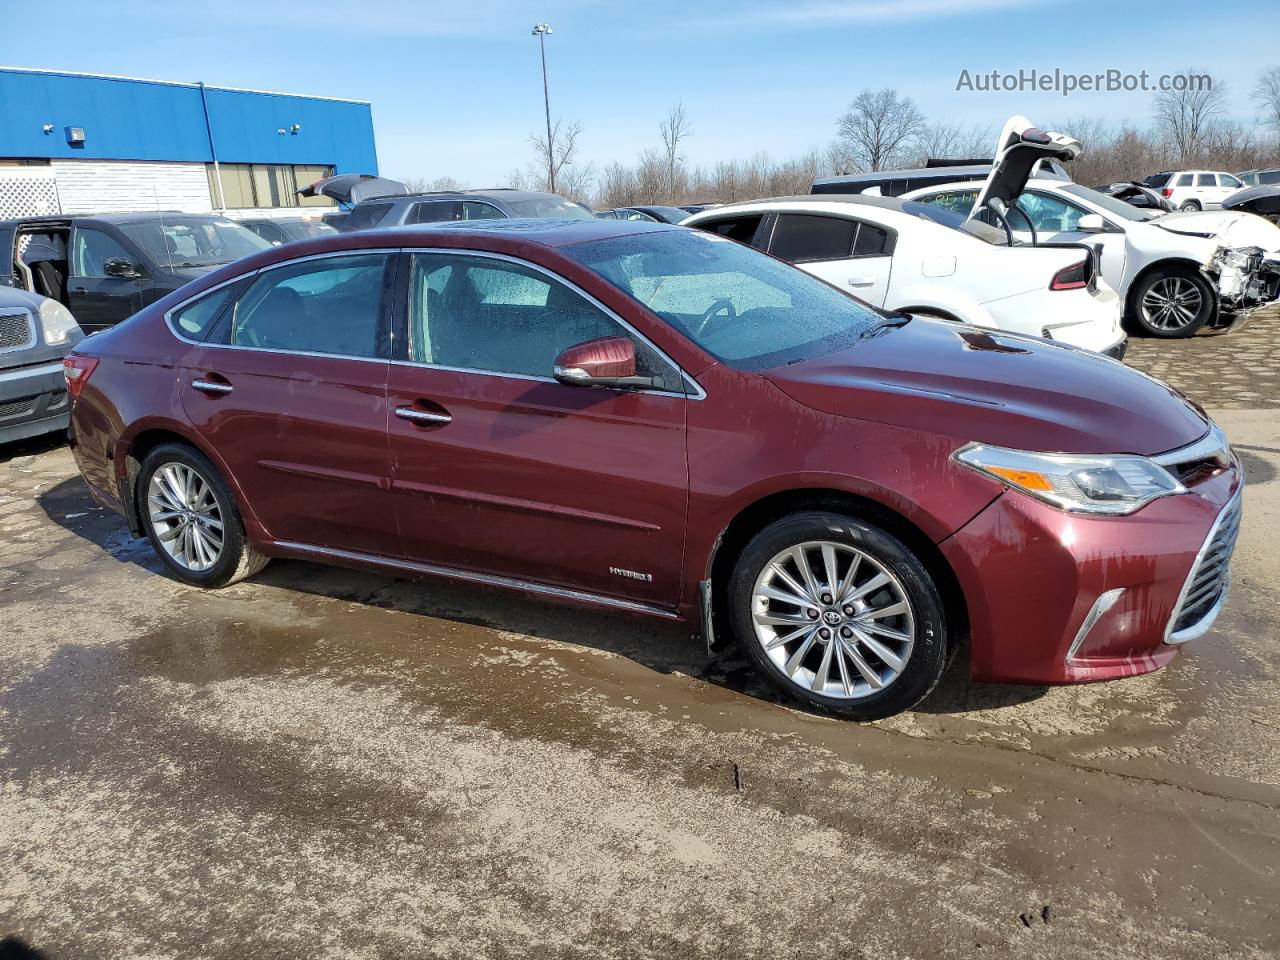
pixel 819 199
pixel 916 172
pixel 488 193
pixel 136 217
pixel 546 231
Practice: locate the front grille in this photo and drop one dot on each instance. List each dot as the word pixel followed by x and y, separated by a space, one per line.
pixel 17 332
pixel 18 408
pixel 1208 581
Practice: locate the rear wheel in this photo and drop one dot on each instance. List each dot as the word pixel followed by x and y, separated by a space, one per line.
pixel 839 615
pixel 191 519
pixel 1172 302
pixel 1190 205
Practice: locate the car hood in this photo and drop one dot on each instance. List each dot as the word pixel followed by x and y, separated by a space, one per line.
pixel 1229 228
pixel 996 388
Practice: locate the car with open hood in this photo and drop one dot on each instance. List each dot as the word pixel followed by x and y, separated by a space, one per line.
pixel 1175 272
pixel 660 422
pixel 920 259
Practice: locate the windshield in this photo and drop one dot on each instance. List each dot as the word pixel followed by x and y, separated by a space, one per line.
pixel 667 214
pixel 1113 206
pixel 178 241
pixel 549 206
pixel 306 229
pixel 745 308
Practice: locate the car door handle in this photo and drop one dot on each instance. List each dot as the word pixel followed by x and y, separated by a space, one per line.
pixel 211 387
pixel 862 281
pixel 415 415
pixel 79 289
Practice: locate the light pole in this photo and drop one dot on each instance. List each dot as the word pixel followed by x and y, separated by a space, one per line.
pixel 540 30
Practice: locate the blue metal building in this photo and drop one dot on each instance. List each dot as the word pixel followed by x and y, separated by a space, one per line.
pixel 97 143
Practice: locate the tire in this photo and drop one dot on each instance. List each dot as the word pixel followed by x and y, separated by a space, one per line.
pixel 169 501
pixel 1190 205
pixel 1195 300
pixel 908 650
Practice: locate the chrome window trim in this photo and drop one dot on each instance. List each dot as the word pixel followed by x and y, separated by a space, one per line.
pixel 32 336
pixel 682 374
pixel 1203 625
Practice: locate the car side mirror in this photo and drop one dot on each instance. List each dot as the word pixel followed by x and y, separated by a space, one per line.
pixel 1092 223
pixel 603 362
pixel 121 269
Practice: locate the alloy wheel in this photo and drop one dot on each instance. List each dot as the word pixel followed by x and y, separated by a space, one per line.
pixel 1172 303
pixel 833 619
pixel 185 516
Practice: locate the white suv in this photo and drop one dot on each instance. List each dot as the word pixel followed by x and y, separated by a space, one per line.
pixel 1194 189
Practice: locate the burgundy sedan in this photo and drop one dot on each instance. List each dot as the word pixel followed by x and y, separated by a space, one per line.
pixel 651 419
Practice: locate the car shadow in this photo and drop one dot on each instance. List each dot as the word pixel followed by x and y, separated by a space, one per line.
pixel 656 645
pixel 15 948
pixel 32 446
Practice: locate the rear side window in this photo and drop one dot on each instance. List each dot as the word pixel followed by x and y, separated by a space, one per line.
pixel 1270 177
pixel 195 319
pixel 1206 180
pixel 1184 180
pixel 365 215
pixel 806 238
pixel 871 242
pixel 332 305
pixel 742 229
pixel 435 211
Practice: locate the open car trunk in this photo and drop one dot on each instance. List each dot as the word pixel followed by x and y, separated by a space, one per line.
pixel 350 188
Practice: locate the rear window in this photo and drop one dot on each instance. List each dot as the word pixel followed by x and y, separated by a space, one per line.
pixel 549 206
pixel 805 238
pixel 1157 179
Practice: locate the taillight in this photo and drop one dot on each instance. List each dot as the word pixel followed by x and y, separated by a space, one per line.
pixel 1074 277
pixel 1167 192
pixel 76 370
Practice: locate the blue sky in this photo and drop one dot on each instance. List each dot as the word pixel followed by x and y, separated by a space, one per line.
pixel 456 88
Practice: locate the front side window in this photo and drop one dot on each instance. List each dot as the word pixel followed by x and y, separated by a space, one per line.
pixel 1229 181
pixel 92 249
pixel 494 316
pixel 332 305
pixel 807 238
pixel 746 308
pixel 1048 214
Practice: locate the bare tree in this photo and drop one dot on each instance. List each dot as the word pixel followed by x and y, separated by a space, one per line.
pixel 1267 94
pixel 674 128
pixel 557 151
pixel 423 185
pixel 879 125
pixel 1186 116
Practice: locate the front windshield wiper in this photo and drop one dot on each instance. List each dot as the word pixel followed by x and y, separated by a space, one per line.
pixel 893 321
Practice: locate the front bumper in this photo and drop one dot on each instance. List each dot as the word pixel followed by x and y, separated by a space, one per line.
pixel 33 401
pixel 1056 597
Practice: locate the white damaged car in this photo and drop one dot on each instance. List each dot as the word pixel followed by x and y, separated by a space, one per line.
pixel 1175 272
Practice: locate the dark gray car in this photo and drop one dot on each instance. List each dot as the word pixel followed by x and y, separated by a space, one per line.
pixel 35 334
pixel 447 206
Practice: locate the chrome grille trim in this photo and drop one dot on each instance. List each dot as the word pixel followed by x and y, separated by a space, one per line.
pixel 1205 591
pixel 17 330
pixel 1212 444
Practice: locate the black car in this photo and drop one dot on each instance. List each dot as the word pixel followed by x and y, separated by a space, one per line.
pixel 663 214
pixel 625 213
pixel 278 230
pixel 447 206
pixel 104 268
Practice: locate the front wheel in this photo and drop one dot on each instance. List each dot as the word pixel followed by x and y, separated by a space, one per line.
pixel 191 519
pixel 838 614
pixel 1172 303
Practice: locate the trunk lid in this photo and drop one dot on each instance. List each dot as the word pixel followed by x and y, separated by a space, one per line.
pixel 1019 148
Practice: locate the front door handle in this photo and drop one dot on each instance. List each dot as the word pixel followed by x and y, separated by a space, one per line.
pixel 424 417
pixel 211 387
pixel 861 282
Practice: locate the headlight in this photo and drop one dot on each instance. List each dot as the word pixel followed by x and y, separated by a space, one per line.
pixel 1112 485
pixel 57 321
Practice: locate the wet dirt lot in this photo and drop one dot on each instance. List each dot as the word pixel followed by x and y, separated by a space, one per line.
pixel 320 763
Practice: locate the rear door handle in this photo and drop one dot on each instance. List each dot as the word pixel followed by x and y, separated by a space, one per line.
pixel 861 282
pixel 415 415
pixel 211 387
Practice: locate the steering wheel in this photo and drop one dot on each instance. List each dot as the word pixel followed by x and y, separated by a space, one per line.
pixel 724 305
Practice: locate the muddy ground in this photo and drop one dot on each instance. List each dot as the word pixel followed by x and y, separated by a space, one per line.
pixel 319 763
